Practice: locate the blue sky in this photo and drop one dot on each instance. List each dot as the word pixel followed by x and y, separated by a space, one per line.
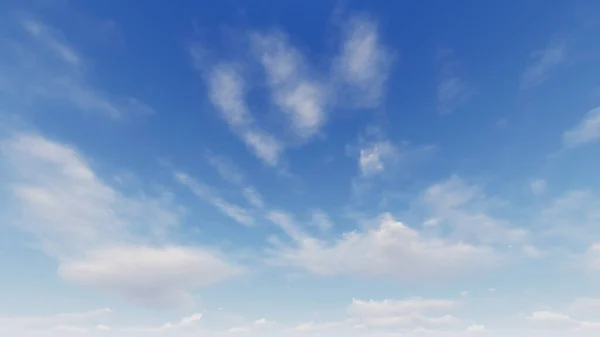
pixel 299 168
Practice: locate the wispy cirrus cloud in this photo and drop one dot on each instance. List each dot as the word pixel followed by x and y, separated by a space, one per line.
pixel 239 214
pixel 363 65
pixel 228 171
pixel 452 89
pixel 41 65
pixel 294 91
pixel 303 95
pixel 543 63
pixel 227 92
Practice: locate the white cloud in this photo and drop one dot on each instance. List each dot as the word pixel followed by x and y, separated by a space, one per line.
pixel 398 307
pixel 232 174
pixel 533 252
pixel 379 156
pixel 239 214
pixel 451 91
pixel 538 187
pixel 103 327
pixel 461 207
pixel 293 90
pixel 556 320
pixel 227 91
pixel 572 217
pixel 101 237
pixel 363 65
pixel 185 322
pixel 389 249
pixel 265 146
pixel 372 159
pixel 587 131
pixel 54 325
pixel 150 276
pixel 543 63
pixel 593 257
pixel 253 197
pixel 43 67
pixel 226 169
pixel 476 328
pixel 49 38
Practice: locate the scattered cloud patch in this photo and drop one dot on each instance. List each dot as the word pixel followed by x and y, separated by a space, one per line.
pixel 43 67
pixel 462 208
pixel 538 187
pixel 363 65
pixel 388 249
pixel 299 96
pixel 227 92
pixel 452 90
pixel 241 215
pixel 585 132
pixel 101 237
pixel 543 63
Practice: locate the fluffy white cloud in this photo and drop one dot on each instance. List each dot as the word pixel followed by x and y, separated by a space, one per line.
pixel 388 249
pixel 100 236
pixel 586 131
pixel 372 159
pixel 151 276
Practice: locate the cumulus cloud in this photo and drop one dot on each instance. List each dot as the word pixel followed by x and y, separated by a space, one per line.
pixel 151 276
pixel 586 131
pixel 100 236
pixel 388 249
